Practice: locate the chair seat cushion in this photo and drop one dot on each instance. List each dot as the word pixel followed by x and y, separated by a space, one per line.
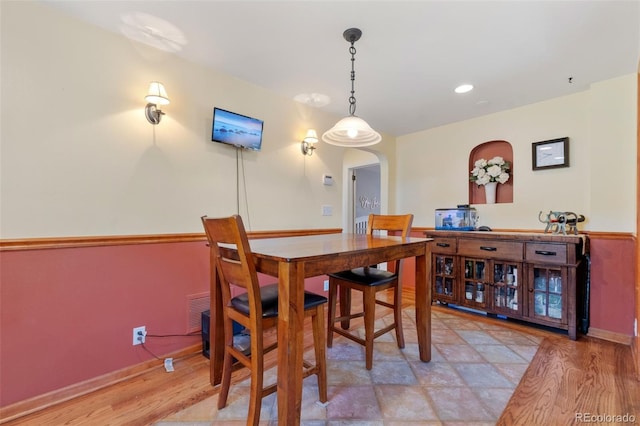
pixel 269 296
pixel 366 276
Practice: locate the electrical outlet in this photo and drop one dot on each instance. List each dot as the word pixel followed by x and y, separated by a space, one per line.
pixel 326 285
pixel 139 335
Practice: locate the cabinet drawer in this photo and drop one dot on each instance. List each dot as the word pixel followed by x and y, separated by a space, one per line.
pixel 546 253
pixel 488 249
pixel 443 245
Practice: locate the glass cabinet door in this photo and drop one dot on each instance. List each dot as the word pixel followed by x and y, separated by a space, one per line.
pixel 506 294
pixel 475 283
pixel 444 278
pixel 548 294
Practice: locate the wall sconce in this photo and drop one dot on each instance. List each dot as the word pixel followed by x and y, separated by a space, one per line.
pixel 308 142
pixel 157 96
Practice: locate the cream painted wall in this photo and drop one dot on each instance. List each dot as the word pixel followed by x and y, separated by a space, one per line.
pixel 79 158
pixel 612 123
pixel 90 164
pixel 601 125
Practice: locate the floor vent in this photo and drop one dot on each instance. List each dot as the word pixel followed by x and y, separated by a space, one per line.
pixel 197 303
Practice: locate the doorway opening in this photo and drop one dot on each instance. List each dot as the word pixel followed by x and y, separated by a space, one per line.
pixel 366 196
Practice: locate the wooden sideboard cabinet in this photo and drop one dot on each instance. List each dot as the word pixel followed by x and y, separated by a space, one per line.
pixel 534 277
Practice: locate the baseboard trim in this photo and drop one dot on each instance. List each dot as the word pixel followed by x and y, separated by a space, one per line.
pixel 635 351
pixel 49 399
pixel 610 336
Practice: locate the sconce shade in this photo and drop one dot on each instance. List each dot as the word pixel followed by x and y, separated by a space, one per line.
pixel 307 144
pixel 312 136
pixel 157 94
pixel 351 131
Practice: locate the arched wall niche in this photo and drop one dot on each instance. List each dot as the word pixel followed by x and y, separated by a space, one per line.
pixel 488 150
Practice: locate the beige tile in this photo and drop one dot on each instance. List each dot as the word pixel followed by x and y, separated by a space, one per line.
pixel 435 374
pixel 404 403
pixel 474 368
pixel 393 373
pixel 347 373
pixel 458 404
pixel 459 353
pixel 483 375
pixel 353 403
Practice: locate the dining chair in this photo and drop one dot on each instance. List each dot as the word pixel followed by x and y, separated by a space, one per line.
pixel 256 310
pixel 370 281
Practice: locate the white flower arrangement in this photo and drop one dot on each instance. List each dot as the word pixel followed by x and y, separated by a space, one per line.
pixel 493 170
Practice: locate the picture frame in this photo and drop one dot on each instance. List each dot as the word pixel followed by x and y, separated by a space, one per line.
pixel 550 154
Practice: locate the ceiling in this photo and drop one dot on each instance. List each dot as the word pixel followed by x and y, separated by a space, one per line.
pixel 411 56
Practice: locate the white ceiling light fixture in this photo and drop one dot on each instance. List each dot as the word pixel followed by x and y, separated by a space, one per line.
pixel 464 88
pixel 352 131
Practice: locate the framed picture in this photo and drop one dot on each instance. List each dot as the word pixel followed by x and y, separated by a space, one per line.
pixel 550 154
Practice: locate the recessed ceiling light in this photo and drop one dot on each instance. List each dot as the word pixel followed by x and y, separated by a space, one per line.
pixel 464 88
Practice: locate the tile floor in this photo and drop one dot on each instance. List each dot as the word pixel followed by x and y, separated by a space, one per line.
pixel 475 368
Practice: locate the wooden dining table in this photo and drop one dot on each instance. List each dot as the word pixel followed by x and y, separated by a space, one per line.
pixel 292 259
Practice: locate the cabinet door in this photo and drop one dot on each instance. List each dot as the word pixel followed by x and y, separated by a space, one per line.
pixel 444 278
pixel 548 293
pixel 506 285
pixel 475 283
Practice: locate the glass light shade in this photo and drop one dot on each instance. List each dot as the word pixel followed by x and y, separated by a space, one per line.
pixel 351 132
pixel 312 136
pixel 157 94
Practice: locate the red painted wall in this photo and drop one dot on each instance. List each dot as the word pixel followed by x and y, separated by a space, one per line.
pixel 612 285
pixel 66 315
pixel 76 307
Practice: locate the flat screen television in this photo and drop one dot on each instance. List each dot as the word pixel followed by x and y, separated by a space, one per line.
pixel 237 130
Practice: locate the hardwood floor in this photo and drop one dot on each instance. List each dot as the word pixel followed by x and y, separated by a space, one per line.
pixel 567 382
pixel 576 380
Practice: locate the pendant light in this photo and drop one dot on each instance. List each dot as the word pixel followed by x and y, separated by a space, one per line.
pixel 352 131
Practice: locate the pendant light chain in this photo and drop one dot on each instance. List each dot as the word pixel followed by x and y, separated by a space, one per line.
pixel 352 98
pixel 351 131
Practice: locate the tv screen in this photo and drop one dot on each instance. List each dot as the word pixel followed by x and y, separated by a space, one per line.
pixel 236 129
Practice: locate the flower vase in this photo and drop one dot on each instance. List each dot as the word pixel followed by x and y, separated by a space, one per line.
pixel 490 192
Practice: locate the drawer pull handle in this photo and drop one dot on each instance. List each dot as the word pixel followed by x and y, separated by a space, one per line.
pixel 546 253
pixel 442 244
pixel 485 248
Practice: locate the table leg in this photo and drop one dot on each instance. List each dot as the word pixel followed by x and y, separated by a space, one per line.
pixel 290 341
pixel 216 330
pixel 423 304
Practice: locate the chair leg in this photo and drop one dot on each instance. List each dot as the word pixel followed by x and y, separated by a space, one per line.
pixel 320 351
pixel 257 371
pixel 227 364
pixel 345 306
pixel 226 381
pixel 397 315
pixel 331 316
pixel 369 302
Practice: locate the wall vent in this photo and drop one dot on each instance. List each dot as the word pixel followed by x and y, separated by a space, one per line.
pixel 197 303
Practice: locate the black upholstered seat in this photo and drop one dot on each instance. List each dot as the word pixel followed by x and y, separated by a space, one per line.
pixel 269 296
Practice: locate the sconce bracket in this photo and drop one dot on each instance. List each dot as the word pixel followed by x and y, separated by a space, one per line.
pixel 153 114
pixel 307 148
